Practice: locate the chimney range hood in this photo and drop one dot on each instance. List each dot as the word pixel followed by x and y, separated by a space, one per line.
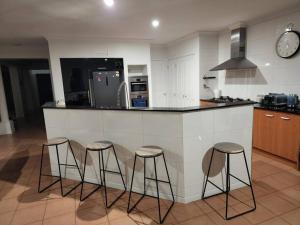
pixel 237 60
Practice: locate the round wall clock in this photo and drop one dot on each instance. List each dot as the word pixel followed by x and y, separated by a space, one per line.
pixel 288 44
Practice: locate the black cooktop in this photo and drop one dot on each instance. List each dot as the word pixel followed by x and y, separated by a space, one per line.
pixel 227 99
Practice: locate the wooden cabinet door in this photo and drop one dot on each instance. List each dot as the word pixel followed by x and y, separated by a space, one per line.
pixel 288 136
pixel 264 130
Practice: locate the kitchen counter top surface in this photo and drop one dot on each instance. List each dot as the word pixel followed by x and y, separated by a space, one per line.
pixel 206 106
pixel 276 109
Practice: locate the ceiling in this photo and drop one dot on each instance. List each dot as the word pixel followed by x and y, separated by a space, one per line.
pixel 30 20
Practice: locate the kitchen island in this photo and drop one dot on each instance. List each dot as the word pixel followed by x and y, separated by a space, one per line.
pixel 186 134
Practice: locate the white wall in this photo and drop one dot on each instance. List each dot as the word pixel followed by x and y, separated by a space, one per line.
pixel 4 121
pixel 208 58
pixel 282 75
pixel 133 52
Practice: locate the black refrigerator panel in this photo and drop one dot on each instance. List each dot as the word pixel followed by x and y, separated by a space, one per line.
pixel 105 87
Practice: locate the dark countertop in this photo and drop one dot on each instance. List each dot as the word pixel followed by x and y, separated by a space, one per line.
pixel 284 109
pixel 204 106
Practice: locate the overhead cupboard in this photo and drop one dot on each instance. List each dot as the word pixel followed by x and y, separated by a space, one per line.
pixel 175 82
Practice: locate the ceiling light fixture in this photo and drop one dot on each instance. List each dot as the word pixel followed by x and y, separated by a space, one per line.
pixel 109 3
pixel 155 23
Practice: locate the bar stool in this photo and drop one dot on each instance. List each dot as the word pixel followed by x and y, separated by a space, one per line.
pixel 56 142
pixel 100 147
pixel 147 152
pixel 229 148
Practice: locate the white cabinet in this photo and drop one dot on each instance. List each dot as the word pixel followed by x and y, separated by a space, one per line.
pixel 159 83
pixel 175 82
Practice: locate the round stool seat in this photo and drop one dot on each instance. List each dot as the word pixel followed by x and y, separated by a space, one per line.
pixel 149 151
pixel 99 145
pixel 229 147
pixel 56 141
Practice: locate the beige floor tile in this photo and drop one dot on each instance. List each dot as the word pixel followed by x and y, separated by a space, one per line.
pixel 275 221
pixel 291 194
pixel 292 217
pixel 151 216
pixel 183 212
pixel 276 204
pixel 219 220
pixel 6 218
pixel 201 220
pixel 96 213
pixel 8 205
pixel 36 199
pixel 215 202
pixel 123 221
pixel 116 213
pixel 204 206
pixel 260 215
pixel 68 218
pixel 60 206
pixel 29 215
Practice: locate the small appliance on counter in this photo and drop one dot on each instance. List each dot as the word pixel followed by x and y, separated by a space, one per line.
pixel 279 100
pixel 138 88
pixel 292 101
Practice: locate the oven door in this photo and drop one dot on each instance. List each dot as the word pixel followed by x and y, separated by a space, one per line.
pixel 138 87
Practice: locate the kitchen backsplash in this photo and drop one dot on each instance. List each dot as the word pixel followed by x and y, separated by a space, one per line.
pixel 273 74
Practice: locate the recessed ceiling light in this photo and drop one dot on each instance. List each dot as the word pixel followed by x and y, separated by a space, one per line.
pixel 109 3
pixel 155 23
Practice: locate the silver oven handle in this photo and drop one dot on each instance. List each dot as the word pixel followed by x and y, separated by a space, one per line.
pixel 138 83
pixel 90 93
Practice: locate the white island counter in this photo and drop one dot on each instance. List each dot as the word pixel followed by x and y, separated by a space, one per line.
pixel 186 134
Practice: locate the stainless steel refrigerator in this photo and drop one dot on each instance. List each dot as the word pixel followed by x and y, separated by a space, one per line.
pixel 105 85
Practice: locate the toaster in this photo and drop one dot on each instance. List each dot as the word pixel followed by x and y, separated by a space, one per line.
pixel 275 100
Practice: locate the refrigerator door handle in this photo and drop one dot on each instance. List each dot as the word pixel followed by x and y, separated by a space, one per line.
pixel 106 78
pixel 91 93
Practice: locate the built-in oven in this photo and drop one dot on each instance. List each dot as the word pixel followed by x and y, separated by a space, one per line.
pixel 138 88
pixel 138 84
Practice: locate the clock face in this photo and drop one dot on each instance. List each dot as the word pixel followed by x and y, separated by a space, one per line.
pixel 288 44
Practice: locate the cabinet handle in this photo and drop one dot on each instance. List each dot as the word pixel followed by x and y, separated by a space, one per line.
pixel 285 118
pixel 269 115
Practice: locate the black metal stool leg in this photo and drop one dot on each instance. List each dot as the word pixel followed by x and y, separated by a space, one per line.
pixel 250 182
pixel 84 168
pixel 104 180
pixel 119 167
pixel 157 190
pixel 40 176
pixel 57 155
pixel 227 184
pixel 76 164
pixel 130 190
pixel 207 175
pixel 169 178
pixel 169 181
pixel 100 169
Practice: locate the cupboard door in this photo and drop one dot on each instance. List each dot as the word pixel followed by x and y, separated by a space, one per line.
pixel 288 136
pixel 264 130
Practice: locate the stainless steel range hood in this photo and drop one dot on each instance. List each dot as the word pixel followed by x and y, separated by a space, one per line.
pixel 237 60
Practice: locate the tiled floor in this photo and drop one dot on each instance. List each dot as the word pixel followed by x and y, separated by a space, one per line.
pixel 276 185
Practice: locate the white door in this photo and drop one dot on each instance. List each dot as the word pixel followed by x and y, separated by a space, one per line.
pixel 159 82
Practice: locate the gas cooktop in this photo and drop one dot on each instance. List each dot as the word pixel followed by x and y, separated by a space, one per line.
pixel 227 99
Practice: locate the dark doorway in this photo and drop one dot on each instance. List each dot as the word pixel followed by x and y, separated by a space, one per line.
pixel 44 88
pixel 28 86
